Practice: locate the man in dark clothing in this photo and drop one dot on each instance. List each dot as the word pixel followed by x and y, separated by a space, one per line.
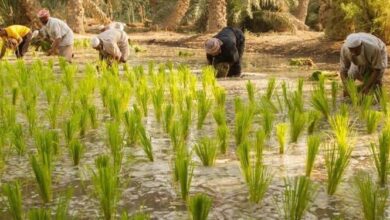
pixel 225 50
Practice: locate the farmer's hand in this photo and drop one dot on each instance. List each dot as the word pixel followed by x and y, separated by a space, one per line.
pixel 12 43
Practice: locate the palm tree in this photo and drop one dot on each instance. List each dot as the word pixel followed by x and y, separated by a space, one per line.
pixel 31 7
pixel 76 15
pixel 177 14
pixel 301 10
pixel 91 7
pixel 217 18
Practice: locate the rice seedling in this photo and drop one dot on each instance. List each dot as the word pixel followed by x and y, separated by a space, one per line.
pixel 83 121
pixel 15 93
pixel 297 124
pixel 268 121
pixel 383 98
pixel 313 118
pixel 168 116
pixel 204 106
pixel 17 139
pixel 260 145
pixel 13 195
pixel 106 183
pixel 93 116
pixel 42 172
pixel 223 138
pixel 31 114
pixel 184 170
pixel 250 89
pixel 199 206
pixel 114 107
pixel 335 88
pixel 270 88
pixel 244 119
pixel 185 123
pixel 281 130
pixel 69 72
pixel 286 98
pixel 76 150
pixel 353 92
pixel 320 102
pixel 220 96
pixel 206 150
pixel 238 105
pixel 158 101
pixel 136 216
pixel 313 145
pixel 175 134
pixel 372 120
pixel 366 103
pixel 336 161
pixel 258 182
pixel 46 142
pixel 146 142
pixel 340 127
pixel 297 196
pixel 373 199
pixel 243 154
pixel 381 156
pixel 208 77
pixel 70 128
pixel 39 214
pixel 142 95
pixel 219 115
pixel 63 205
pixel 131 120
pixel 115 143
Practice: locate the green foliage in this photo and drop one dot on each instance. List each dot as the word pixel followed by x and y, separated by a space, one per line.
pixel 372 120
pixel 146 142
pixel 313 145
pixel 260 145
pixel 319 99
pixel 297 124
pixel 340 127
pixel 184 170
pixel 17 139
pixel 372 198
pixel 13 195
pixel 313 118
pixel 250 89
pixel 199 206
pixel 206 149
pixel 268 121
pixel 223 138
pixel 43 177
pixel 39 214
pixel 258 182
pixel 381 155
pixel 204 106
pixel 115 143
pixel 244 119
pixel 76 149
pixel 281 130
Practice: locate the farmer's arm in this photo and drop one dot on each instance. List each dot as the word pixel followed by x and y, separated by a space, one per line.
pixel 371 81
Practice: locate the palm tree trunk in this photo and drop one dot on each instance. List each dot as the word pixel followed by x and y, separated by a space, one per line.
pixel 97 13
pixel 177 14
pixel 31 8
pixel 76 16
pixel 217 15
pixel 301 11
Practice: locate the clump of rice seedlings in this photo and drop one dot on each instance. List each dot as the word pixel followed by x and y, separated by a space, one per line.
pixel 219 115
pixel 17 139
pixel 184 170
pixel 244 119
pixel 268 121
pixel 372 198
pixel 250 88
pixel 39 214
pixel 383 98
pixel 223 138
pixel 42 171
pixel 175 134
pixel 206 150
pixel 47 145
pixel 115 143
pixel 313 118
pixel 381 156
pixel 158 101
pixel 146 142
pixel 281 130
pixel 313 145
pixel 286 97
pixel 76 149
pixel 106 184
pixel 365 105
pixel 270 88
pixel 258 182
pixel 168 116
pixel 114 106
pixel 131 121
pixel 204 106
pixel 68 77
pixel 320 101
pixel 353 92
pixel 243 154
pixel 63 205
pixel 93 116
pixel 31 114
pixel 199 206
pixel 83 121
pixel 340 127
pixel 15 93
pixel 70 128
pixel 142 95
pixel 372 120
pixel 297 124
pixel 220 96
pixel 208 77
pixel 13 195
pixel 335 88
pixel 185 123
pixel 259 145
pixel 336 161
pixel 297 196
pixel 136 216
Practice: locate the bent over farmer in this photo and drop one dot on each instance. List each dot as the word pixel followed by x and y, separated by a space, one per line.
pixel 17 37
pixel 363 58
pixel 224 51
pixel 112 45
pixel 59 33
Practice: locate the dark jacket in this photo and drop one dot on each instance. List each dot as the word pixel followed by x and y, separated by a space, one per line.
pixel 232 50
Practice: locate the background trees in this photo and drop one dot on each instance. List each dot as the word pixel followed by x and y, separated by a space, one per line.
pixel 336 17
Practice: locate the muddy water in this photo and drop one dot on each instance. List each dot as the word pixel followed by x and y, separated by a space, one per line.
pixel 150 186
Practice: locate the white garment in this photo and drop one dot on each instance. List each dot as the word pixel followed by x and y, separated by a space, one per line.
pixel 56 28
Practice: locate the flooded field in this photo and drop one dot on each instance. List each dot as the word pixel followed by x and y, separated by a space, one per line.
pixel 150 186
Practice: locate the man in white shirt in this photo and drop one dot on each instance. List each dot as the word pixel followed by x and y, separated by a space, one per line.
pixel 363 57
pixel 112 45
pixel 59 32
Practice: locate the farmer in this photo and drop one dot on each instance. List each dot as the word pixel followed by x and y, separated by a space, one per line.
pixel 112 45
pixel 113 25
pixel 224 51
pixel 16 37
pixel 59 33
pixel 363 58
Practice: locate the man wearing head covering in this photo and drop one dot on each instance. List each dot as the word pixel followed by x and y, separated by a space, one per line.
pixel 224 51
pixel 59 32
pixel 17 37
pixel 112 44
pixel 363 57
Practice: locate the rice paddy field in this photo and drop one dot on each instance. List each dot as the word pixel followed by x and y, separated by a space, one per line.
pixel 161 138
